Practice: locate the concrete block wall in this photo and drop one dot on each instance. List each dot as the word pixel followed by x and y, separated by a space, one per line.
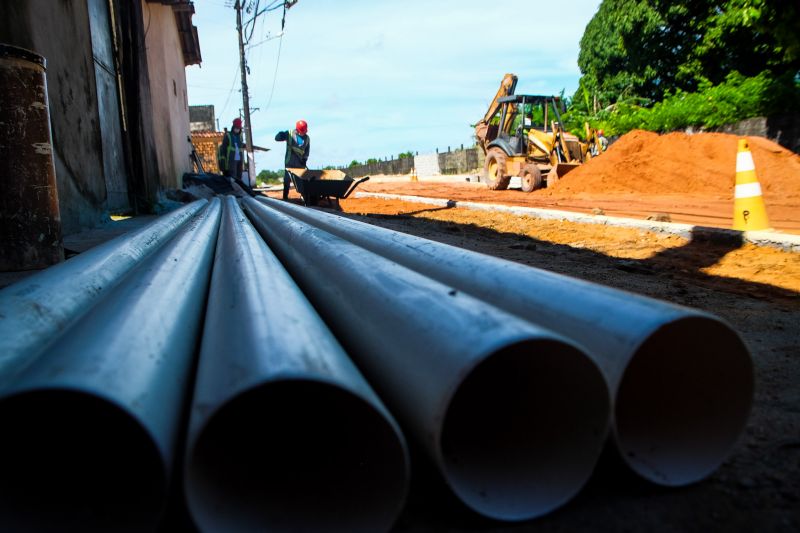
pixel 456 162
pixel 784 130
pixel 427 165
pixel 391 167
pixel 460 161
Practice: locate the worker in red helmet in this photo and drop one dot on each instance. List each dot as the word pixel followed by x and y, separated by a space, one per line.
pixel 231 155
pixel 231 151
pixel 298 148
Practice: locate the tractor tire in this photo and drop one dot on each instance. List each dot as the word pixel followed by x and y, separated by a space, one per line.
pixel 531 178
pixel 495 170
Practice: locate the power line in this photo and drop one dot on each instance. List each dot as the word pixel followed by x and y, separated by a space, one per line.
pixel 275 74
pixel 230 92
pixel 268 39
pixel 286 5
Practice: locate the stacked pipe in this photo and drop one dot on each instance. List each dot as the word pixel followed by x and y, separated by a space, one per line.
pixel 682 380
pixel 91 421
pixel 285 433
pixel 513 415
pixel 505 374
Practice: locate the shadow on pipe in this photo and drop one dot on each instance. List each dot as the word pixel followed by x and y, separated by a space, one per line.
pixel 683 401
pixel 286 435
pixel 513 415
pixel 682 379
pixel 513 437
pixel 73 462
pixel 297 455
pixel 90 428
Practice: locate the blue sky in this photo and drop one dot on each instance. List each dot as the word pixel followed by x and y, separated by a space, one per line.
pixel 375 78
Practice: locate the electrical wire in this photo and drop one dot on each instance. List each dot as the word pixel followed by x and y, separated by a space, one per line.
pixel 252 24
pixel 275 74
pixel 278 61
pixel 233 86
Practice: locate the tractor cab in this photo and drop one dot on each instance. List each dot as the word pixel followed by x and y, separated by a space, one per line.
pixel 531 126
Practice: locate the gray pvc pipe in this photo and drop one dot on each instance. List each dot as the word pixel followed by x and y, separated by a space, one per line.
pixel 682 379
pixel 89 429
pixel 285 433
pixel 513 415
pixel 35 310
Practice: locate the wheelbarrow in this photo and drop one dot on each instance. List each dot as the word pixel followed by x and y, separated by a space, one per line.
pixel 314 185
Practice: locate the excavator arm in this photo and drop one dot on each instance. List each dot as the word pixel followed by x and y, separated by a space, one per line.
pixel 507 87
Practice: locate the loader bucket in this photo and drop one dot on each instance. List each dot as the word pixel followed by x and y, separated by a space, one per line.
pixel 559 171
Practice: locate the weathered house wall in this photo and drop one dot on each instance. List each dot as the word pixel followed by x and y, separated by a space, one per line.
pixel 168 91
pixel 60 31
pixel 108 104
pixel 114 148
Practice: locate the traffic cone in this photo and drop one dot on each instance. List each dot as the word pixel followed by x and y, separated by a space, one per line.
pixel 414 175
pixel 749 212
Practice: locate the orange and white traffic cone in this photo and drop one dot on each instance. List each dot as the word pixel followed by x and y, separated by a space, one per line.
pixel 749 212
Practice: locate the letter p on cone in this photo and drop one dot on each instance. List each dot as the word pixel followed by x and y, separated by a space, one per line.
pixel 749 212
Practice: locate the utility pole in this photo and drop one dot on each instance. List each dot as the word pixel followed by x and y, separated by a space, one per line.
pixel 251 167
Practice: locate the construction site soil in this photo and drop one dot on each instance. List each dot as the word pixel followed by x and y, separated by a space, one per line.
pixel 690 178
pixel 756 289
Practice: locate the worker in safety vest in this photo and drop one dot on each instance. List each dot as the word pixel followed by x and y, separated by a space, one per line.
pixel 231 151
pixel 298 148
pixel 231 155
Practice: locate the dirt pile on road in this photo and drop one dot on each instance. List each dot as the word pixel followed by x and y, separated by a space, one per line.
pixel 704 163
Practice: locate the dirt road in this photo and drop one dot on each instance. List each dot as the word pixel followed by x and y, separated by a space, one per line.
pixel 706 209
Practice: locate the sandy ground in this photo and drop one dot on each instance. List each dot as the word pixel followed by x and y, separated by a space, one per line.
pixel 756 289
pixel 698 209
pixel 645 250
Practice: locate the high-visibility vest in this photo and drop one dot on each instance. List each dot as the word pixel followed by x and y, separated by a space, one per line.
pixel 225 158
pixel 293 147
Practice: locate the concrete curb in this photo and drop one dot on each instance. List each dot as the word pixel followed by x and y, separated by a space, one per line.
pixel 783 241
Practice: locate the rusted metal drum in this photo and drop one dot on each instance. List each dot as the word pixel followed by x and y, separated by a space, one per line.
pixel 30 223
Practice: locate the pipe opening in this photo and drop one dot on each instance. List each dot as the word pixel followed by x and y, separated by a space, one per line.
pixel 683 401
pixel 523 431
pixel 297 455
pixel 71 461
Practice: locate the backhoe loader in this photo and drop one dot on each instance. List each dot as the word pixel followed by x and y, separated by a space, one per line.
pixel 522 135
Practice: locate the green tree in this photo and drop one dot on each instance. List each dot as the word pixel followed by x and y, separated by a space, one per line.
pixel 269 176
pixel 633 49
pixel 611 59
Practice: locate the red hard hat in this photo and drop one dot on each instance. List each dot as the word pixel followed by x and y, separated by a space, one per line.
pixel 237 123
pixel 301 127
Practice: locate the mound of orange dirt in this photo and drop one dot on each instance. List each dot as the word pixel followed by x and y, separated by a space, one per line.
pixel 703 163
